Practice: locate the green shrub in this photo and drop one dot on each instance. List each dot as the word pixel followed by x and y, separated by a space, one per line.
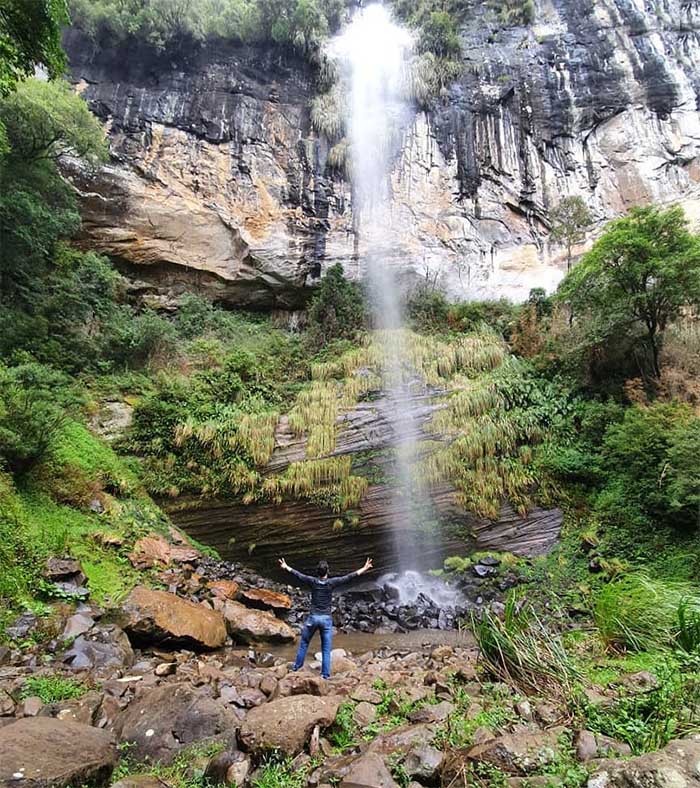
pixel 337 309
pixel 427 309
pixel 30 414
pixel 438 35
pixel 52 689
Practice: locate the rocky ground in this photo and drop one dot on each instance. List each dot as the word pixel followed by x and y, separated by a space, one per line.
pixel 175 689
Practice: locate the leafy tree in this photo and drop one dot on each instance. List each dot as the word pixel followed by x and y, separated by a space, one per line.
pixel 30 414
pixel 30 35
pixel 570 219
pixel 45 120
pixel 337 309
pixel 640 274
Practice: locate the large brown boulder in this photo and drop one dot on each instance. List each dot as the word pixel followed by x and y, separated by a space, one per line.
pixel 161 722
pixel 677 765
pixel 155 550
pixel 42 752
pixel 264 599
pixel 150 617
pixel 250 626
pixel 286 723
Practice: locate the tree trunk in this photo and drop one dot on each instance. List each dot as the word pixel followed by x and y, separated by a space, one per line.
pixel 654 353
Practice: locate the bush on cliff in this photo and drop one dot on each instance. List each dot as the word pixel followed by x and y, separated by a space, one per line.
pixel 337 310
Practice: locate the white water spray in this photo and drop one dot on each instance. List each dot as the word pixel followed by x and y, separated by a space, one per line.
pixel 373 54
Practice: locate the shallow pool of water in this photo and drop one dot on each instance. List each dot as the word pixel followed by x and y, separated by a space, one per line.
pixel 357 643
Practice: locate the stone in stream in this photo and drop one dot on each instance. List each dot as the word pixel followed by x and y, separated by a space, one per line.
pixel 158 617
pixel 286 724
pixel 159 723
pixel 42 752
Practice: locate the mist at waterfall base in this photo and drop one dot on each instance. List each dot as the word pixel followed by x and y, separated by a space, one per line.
pixel 372 54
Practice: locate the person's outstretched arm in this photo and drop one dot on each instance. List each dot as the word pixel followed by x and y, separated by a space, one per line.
pixel 338 581
pixel 299 575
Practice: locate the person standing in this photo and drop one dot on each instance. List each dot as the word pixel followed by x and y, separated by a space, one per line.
pixel 320 614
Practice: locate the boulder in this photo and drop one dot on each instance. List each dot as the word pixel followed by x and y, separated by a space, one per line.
pixel 224 589
pixel 7 704
pixel 590 745
pixel 76 625
pixel 160 617
pixel 248 626
pixel 423 763
pixel 42 752
pixel 518 754
pixel 402 740
pixel 369 771
pixel 263 599
pixel 161 722
pixel 364 714
pixel 286 723
pixel 437 712
pixel 101 647
pixel 675 766
pixel 155 550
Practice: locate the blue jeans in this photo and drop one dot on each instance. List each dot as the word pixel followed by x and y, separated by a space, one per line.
pixel 325 625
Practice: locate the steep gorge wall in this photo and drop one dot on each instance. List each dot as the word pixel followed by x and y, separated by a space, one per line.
pixel 217 178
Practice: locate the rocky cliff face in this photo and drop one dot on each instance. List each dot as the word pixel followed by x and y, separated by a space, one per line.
pixel 218 179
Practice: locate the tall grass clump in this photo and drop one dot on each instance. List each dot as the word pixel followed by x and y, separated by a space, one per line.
pixel 636 613
pixel 522 651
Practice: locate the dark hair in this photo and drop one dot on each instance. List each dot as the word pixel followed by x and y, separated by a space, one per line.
pixel 322 568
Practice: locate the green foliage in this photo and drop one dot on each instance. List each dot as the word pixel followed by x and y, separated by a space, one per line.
pixel 52 689
pixel 344 734
pixel 439 35
pixel 337 309
pixel 648 720
pixel 639 275
pixel 172 24
pixel 570 219
pixel 639 613
pixel 30 36
pixel 276 772
pixel 46 120
pixel 514 12
pixel 30 414
pixel 427 309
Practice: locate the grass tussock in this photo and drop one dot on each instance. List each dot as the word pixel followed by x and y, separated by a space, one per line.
pixel 522 651
pixel 637 613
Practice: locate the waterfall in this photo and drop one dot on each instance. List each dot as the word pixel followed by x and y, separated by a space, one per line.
pixel 372 53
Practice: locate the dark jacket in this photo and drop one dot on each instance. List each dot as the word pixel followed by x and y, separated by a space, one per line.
pixel 322 590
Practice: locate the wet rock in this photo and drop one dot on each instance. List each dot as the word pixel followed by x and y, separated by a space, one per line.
pixel 50 753
pixel 158 617
pixel 369 771
pixel 100 648
pixel 246 625
pixel 674 766
pixel 490 560
pixel 286 723
pixel 159 723
pixel 263 599
pixel 484 571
